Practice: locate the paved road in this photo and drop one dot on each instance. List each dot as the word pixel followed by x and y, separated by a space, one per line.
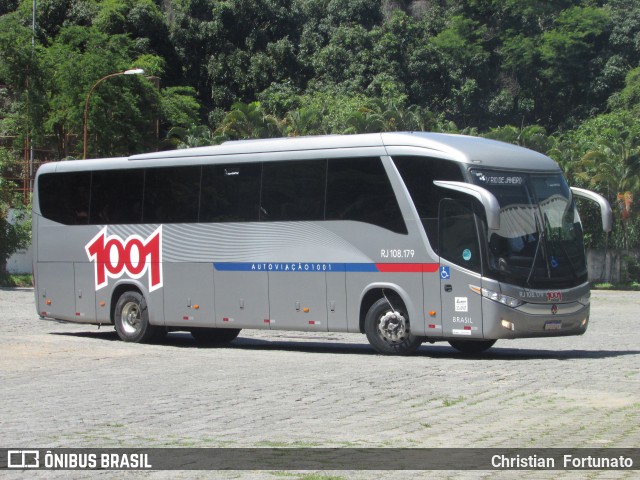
pixel 68 385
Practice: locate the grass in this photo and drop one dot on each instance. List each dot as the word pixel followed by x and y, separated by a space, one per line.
pixel 298 444
pixel 635 286
pixel 448 402
pixel 9 280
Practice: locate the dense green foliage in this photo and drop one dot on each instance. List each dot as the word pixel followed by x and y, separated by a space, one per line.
pixel 561 77
pixel 14 235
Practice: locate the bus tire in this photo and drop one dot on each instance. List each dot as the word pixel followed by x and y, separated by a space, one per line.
pixel 472 346
pixel 388 331
pixel 131 319
pixel 214 336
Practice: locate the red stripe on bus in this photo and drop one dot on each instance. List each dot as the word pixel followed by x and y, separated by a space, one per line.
pixel 407 267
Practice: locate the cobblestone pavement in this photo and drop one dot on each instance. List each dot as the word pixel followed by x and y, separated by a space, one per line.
pixel 72 385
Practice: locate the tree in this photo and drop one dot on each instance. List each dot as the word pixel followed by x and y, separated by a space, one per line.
pixel 572 54
pixel 625 32
pixel 246 121
pixel 611 165
pixel 364 120
pixel 179 106
pixel 629 97
pixel 478 64
pixel 194 136
pixel 121 110
pixel 14 235
pixel 25 104
pixel 303 121
pixel 533 137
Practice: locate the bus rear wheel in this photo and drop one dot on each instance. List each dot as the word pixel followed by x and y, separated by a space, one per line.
pixel 131 319
pixel 388 330
pixel 214 336
pixel 472 346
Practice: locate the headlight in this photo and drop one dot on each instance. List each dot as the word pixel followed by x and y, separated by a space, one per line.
pixel 497 297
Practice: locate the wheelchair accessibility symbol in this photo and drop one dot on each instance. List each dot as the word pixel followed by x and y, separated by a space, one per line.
pixel 445 274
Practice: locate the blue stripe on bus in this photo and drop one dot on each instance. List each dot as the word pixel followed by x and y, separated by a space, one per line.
pixel 324 267
pixel 294 267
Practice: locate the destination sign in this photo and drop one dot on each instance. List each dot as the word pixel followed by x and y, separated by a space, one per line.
pixel 494 178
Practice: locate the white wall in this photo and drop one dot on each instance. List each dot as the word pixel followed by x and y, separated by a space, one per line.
pixel 21 262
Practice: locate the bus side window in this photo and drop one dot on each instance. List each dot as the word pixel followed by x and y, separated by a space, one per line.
pixel 171 195
pixel 230 193
pixel 293 190
pixel 458 234
pixel 116 196
pixel 418 174
pixel 64 197
pixel 359 189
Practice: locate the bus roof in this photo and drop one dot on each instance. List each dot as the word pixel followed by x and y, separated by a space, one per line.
pixel 463 148
pixel 466 149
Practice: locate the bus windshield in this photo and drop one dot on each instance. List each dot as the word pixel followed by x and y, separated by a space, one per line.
pixel 540 240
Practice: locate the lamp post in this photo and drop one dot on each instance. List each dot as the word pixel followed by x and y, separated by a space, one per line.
pixel 133 71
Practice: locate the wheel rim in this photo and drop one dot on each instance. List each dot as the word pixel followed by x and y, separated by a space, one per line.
pixel 131 317
pixel 393 327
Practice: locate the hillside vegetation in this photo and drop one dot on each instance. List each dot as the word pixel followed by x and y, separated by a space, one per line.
pixel 561 77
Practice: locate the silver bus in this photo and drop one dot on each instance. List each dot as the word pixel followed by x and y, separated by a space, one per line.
pixel 405 237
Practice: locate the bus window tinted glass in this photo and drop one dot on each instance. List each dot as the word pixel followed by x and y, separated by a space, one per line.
pixel 230 193
pixel 418 174
pixel 293 190
pixel 171 195
pixel 116 196
pixel 358 189
pixel 458 234
pixel 64 197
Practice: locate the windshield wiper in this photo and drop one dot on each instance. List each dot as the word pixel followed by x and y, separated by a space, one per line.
pixel 542 239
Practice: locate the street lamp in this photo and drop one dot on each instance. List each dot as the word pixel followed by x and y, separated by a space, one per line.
pixel 133 71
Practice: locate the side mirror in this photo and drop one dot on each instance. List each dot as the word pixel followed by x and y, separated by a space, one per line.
pixel 484 196
pixel 605 208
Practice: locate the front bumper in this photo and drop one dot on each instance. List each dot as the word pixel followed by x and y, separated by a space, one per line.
pixel 533 320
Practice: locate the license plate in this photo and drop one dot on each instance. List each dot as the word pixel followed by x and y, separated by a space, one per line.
pixel 553 325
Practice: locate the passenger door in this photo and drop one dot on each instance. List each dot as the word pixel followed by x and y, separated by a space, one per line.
pixel 460 267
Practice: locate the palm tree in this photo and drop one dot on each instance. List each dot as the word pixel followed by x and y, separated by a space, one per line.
pixel 194 136
pixel 303 121
pixel 248 120
pixel 364 120
pixel 567 153
pixel 530 136
pixel 613 167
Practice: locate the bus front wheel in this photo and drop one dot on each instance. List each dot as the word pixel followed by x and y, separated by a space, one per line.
pixel 131 318
pixel 472 346
pixel 388 330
